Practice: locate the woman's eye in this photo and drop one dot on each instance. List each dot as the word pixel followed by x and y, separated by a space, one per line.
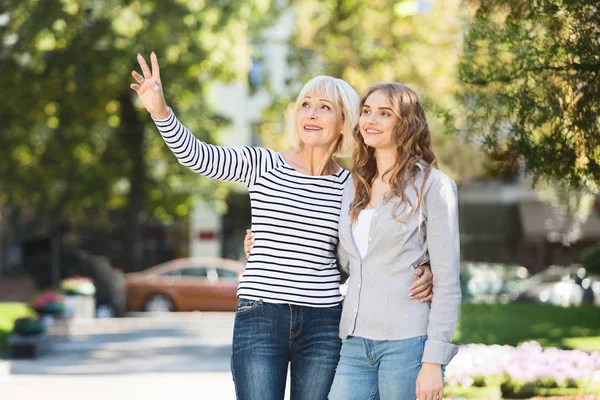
pixel 385 114
pixel 325 107
pixel 305 105
pixel 365 112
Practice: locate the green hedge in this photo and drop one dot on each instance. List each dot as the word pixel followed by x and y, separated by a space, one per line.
pixel 9 312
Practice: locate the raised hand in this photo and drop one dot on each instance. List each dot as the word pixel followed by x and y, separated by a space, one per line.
pixel 149 88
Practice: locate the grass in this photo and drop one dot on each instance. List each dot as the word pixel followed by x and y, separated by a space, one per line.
pixel 9 312
pixel 514 323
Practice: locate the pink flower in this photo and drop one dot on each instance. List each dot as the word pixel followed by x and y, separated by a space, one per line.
pixel 45 299
pixel 526 363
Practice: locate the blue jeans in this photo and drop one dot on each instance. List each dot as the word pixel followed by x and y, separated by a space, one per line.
pixel 378 369
pixel 267 337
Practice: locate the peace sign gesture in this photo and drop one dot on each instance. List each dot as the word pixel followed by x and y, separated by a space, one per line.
pixel 149 88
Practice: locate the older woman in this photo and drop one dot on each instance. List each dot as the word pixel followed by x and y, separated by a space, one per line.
pixel 289 299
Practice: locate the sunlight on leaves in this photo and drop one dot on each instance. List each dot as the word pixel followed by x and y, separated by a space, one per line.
pixel 128 23
pixel 45 40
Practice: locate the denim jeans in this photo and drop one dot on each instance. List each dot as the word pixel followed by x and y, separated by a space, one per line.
pixel 378 369
pixel 267 337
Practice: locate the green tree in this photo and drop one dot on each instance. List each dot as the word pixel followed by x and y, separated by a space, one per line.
pixel 415 42
pixel 530 71
pixel 75 145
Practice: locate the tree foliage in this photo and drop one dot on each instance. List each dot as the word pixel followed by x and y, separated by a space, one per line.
pixel 74 144
pixel 530 71
pixel 415 42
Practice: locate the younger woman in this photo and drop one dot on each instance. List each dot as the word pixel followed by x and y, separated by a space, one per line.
pixel 397 211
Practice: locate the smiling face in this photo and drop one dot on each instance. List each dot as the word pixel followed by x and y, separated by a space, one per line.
pixel 377 121
pixel 319 121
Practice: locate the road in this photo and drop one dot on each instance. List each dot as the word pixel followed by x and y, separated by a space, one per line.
pixel 147 358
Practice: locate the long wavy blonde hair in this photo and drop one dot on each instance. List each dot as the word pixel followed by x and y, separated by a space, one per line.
pixel 413 145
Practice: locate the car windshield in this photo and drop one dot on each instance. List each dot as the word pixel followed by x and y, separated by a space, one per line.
pixel 187 272
pixel 226 274
pixel 194 272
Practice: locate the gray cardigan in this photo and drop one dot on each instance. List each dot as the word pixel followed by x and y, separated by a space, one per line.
pixel 377 305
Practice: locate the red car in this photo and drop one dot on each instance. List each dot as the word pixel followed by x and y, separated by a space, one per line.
pixel 185 284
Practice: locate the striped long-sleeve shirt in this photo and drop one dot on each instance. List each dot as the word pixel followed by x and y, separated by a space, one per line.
pixel 294 217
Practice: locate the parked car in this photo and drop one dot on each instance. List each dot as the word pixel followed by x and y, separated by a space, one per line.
pixel 186 284
pixel 491 282
pixel 557 285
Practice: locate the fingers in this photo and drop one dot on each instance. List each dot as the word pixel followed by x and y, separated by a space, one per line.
pixel 247 249
pixel 138 78
pixel 429 394
pixel 145 70
pixel 420 284
pixel 427 298
pixel 155 67
pixel 248 242
pixel 423 271
pixel 152 84
pixel 422 293
pixel 425 276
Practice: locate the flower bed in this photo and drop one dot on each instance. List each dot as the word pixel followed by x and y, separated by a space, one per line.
pixel 521 372
pixel 49 304
pixel 78 286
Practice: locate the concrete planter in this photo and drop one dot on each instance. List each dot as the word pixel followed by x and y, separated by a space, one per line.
pixel 79 307
pixel 30 346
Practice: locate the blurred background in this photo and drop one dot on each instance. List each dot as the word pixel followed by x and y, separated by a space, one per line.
pixel 117 264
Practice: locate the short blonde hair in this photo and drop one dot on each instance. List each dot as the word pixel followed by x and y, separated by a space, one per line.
pixel 342 95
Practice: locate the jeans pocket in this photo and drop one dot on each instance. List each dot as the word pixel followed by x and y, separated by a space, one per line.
pixel 246 305
pixel 337 308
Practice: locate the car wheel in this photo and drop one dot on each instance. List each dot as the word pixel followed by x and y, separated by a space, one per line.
pixel 105 311
pixel 159 303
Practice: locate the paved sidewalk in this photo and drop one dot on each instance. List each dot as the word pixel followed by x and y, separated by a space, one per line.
pixel 154 386
pixel 182 356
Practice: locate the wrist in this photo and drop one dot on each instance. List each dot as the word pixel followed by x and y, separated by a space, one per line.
pixel 431 365
pixel 162 114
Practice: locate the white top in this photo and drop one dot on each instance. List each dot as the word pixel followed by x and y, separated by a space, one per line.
pixel 361 231
pixel 294 217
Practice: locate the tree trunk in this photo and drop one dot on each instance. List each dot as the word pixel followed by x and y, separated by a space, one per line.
pixel 132 135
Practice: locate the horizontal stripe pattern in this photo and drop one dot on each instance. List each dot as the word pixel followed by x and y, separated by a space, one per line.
pixel 294 217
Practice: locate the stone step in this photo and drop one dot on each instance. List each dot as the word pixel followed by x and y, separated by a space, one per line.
pixel 140 321
pixel 132 334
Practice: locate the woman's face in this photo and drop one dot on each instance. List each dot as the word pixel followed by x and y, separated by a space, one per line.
pixel 377 121
pixel 320 122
